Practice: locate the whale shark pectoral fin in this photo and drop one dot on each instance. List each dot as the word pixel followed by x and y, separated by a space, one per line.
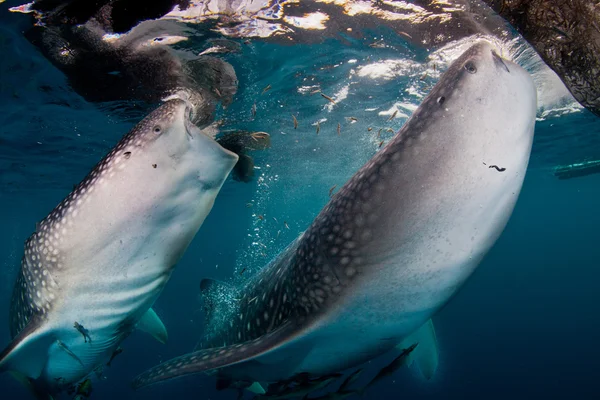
pixel 27 353
pixel 151 324
pixel 30 385
pixel 256 388
pixel 209 359
pixel 426 354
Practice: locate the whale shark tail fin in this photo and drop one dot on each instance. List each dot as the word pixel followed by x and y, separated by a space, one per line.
pixel 426 355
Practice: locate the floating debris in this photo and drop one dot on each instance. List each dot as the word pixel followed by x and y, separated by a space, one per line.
pixel 369 129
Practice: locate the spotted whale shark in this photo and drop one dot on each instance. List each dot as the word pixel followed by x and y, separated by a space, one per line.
pixel 393 245
pixel 98 261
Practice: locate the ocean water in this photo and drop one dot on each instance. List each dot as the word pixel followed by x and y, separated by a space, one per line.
pixel 524 326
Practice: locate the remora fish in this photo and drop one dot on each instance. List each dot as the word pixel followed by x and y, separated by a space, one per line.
pixel 394 244
pixel 104 254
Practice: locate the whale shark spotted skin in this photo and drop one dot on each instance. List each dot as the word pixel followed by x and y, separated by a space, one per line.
pixel 98 261
pixel 394 244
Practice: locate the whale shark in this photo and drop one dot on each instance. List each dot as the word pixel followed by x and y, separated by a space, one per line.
pixel 392 246
pixel 95 265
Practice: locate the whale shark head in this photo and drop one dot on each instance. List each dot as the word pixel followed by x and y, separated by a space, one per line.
pixel 395 243
pixel 98 261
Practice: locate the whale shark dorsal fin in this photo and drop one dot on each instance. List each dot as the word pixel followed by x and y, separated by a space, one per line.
pixel 151 324
pixel 426 354
pixel 219 357
pixel 27 353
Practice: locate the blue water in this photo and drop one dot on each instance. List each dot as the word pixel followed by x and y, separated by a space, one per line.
pixel 525 325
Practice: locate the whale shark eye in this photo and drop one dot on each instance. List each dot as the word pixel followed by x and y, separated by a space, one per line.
pixel 470 67
pixel 157 129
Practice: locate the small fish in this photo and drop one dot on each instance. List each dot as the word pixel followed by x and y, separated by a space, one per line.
pixel 350 380
pixel 83 331
pixel 266 89
pixel 379 133
pixel 217 92
pixel 392 367
pixel 393 115
pixel 248 205
pixel 318 127
pixel 424 76
pixel 369 129
pixel 260 137
pixel 115 353
pixel 381 143
pixel 295 122
pixel 353 119
pixel 278 233
pixel 261 217
pixel 405 34
pixel 339 129
pixel 68 351
pixel 328 98
pixel 331 190
pixel 243 270
pixel 253 110
pixel 274 219
pixel 337 395
pixel 299 386
pixel 85 388
pixel 286 225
